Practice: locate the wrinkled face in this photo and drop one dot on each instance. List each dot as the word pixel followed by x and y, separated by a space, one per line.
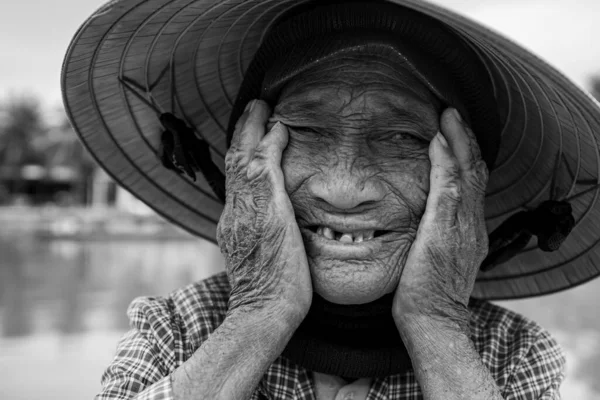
pixel 357 171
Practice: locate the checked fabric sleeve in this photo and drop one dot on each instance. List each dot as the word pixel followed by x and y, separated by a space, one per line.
pixel 135 372
pixel 164 333
pixel 539 373
pixel 525 361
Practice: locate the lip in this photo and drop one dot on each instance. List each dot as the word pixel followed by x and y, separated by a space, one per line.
pixel 317 245
pixel 346 225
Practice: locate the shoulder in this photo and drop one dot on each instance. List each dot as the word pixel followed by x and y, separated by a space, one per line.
pixel 493 325
pixel 514 347
pixel 186 316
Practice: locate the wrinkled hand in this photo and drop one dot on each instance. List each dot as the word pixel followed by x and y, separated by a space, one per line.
pixel 451 242
pixel 258 235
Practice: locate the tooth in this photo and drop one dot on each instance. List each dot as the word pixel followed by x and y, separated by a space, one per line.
pixel 327 232
pixel 358 237
pixel 369 235
pixel 320 231
pixel 346 238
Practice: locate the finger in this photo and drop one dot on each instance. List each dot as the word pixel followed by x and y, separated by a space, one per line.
pixel 273 144
pixel 464 145
pixel 238 126
pixel 461 139
pixel 235 138
pixel 270 151
pixel 444 183
pixel 252 129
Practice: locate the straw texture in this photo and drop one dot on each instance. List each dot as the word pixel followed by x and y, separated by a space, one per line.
pixel 192 56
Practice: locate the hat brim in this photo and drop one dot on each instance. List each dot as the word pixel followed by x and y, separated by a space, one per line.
pixel 193 54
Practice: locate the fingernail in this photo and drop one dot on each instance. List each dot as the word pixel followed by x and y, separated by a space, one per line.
pixel 457 115
pixel 442 139
pixel 250 106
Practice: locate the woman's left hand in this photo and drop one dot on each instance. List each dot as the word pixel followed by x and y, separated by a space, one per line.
pixel 451 242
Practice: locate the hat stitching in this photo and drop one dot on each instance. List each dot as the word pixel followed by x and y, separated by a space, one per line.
pixel 530 286
pixel 69 110
pixel 542 122
pixel 576 135
pixel 537 104
pixel 148 92
pixel 195 57
pixel 522 274
pixel 113 139
pixel 527 118
pixel 182 151
pixel 178 164
pixel 230 101
pixel 510 106
pixel 193 64
pixel 267 28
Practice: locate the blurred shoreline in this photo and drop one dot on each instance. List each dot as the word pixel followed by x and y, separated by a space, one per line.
pixel 63 301
pixel 88 224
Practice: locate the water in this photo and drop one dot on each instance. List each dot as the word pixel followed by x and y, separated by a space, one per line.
pixel 62 310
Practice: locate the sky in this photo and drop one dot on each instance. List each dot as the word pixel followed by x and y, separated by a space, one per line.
pixel 35 35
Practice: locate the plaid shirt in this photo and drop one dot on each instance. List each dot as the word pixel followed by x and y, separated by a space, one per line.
pixel 524 359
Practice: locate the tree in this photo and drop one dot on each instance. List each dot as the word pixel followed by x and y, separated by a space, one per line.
pixel 61 148
pixel 21 122
pixel 57 163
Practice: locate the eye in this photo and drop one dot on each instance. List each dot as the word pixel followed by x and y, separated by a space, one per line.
pixel 399 136
pixel 307 135
pixel 307 129
pixel 306 132
pixel 396 139
pixel 402 135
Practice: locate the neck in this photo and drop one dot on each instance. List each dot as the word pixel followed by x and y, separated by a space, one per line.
pixel 353 341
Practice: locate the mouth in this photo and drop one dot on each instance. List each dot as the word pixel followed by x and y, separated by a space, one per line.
pixel 357 236
pixel 323 241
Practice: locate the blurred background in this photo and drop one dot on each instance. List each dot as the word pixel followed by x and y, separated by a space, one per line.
pixel 75 249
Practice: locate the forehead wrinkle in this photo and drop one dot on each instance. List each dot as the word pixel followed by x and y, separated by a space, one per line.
pixel 377 109
pixel 362 71
pixel 408 110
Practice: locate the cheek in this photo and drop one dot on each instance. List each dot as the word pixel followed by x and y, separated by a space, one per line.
pixel 298 163
pixel 409 179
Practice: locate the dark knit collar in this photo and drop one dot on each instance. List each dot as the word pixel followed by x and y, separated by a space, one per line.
pixel 353 341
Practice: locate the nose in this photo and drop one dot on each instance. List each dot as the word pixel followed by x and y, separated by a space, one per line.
pixel 345 190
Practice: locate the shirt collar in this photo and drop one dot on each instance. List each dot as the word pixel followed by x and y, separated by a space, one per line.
pixel 286 380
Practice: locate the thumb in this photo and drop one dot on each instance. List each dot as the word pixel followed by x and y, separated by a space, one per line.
pixel 444 183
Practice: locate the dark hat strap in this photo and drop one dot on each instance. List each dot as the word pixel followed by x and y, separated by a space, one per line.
pixel 181 149
pixel 185 153
pixel 551 222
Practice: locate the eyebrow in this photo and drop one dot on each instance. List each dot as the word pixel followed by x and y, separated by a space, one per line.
pixel 307 113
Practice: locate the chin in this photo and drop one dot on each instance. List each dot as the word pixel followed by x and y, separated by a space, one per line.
pixel 351 282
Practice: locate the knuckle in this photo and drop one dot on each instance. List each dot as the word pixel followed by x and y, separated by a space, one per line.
pixel 259 169
pixel 266 152
pixel 447 172
pixel 452 191
pixel 478 177
pixel 452 170
pixel 234 159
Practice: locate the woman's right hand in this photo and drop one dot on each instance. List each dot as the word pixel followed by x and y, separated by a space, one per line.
pixel 258 235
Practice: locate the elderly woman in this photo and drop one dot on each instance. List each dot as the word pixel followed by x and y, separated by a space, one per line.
pixel 353 230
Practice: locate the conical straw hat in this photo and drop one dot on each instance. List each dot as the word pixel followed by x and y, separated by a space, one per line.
pixel 192 55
